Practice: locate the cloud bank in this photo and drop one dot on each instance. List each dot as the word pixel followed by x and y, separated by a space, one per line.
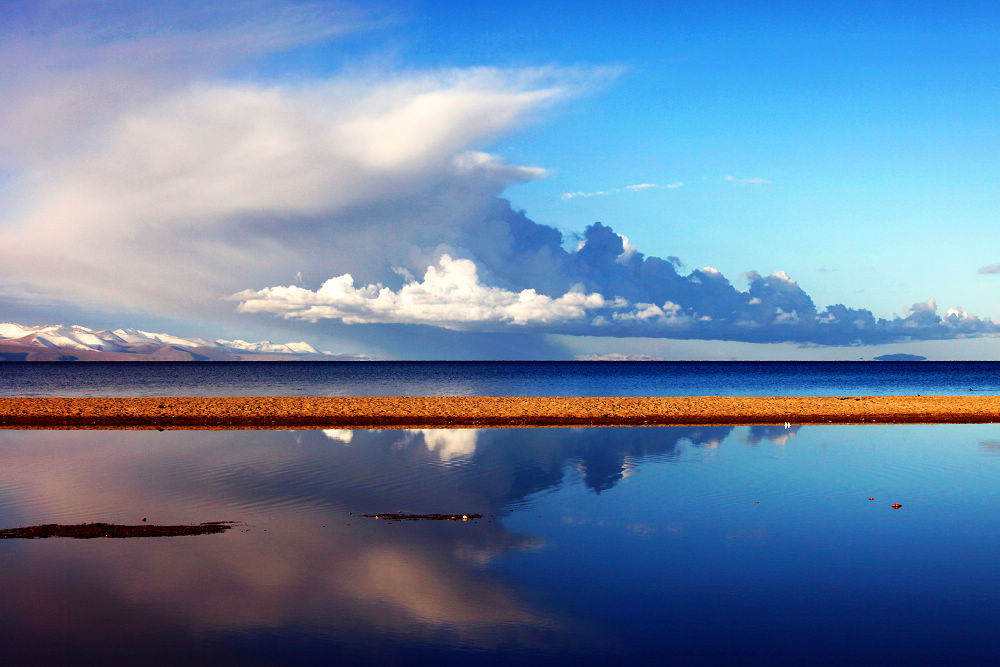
pixel 603 288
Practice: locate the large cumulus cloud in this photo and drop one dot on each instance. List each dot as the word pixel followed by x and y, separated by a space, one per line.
pixel 139 171
pixel 218 183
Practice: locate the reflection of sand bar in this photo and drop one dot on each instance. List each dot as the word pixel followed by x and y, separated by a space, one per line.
pixel 482 411
pixel 85 531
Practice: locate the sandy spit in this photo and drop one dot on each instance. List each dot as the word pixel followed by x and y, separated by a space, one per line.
pixel 485 411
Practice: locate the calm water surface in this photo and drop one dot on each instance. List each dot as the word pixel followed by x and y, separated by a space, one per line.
pixel 487 378
pixel 692 545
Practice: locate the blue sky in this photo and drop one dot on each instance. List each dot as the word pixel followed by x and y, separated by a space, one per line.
pixel 849 148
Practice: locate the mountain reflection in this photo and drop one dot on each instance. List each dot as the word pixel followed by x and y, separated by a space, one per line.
pixel 304 563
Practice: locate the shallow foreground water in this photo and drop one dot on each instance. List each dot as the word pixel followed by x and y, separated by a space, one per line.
pixel 692 545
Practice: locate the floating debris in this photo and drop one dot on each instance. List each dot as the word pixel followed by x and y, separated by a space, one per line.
pixel 399 516
pixel 86 531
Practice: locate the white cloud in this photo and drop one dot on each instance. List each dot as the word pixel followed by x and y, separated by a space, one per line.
pixel 783 277
pixel 674 185
pixel 450 296
pixel 783 317
pixel 641 186
pixel 669 314
pixel 929 306
pixel 628 250
pixel 958 315
pixel 747 181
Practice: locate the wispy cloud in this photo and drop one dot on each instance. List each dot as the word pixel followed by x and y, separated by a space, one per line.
pixel 992 268
pixel 71 66
pixel 638 187
pixel 578 194
pixel 485 163
pixel 747 181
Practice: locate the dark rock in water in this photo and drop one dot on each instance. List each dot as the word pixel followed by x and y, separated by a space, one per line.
pixel 900 357
pixel 83 531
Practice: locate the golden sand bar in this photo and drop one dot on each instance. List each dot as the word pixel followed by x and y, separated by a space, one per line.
pixel 485 411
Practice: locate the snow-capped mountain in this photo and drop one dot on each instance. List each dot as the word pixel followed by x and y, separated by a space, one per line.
pixel 268 346
pixel 70 343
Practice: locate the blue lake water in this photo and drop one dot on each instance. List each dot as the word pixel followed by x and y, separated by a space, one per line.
pixel 498 378
pixel 712 545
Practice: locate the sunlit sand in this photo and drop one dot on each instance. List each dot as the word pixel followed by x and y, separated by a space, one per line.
pixel 484 411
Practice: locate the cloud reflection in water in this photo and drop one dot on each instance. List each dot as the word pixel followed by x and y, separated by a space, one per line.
pixel 302 563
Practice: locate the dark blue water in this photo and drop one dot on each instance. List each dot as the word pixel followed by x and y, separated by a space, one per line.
pixel 713 545
pixel 499 378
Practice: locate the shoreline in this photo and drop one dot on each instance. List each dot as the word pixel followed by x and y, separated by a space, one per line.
pixel 485 412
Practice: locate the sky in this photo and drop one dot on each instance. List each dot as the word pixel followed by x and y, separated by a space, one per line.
pixel 412 180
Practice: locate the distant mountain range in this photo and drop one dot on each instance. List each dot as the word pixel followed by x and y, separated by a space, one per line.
pixel 77 343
